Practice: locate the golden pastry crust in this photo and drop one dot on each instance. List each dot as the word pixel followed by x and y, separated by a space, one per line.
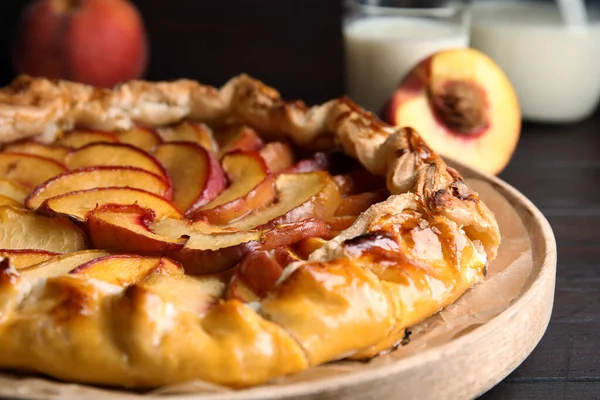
pixel 401 261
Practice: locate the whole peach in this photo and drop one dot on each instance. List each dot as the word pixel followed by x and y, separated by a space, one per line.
pixel 99 42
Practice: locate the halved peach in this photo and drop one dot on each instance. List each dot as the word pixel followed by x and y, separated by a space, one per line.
pixel 126 269
pixel 357 203
pixel 61 264
pixel 140 137
pixel 299 196
pixel 26 258
pixel 28 170
pixel 278 156
pixel 126 229
pixel 251 188
pixel 237 137
pixel 189 131
pixel 99 177
pixel 195 174
pixel 22 229
pixel 463 106
pixel 211 251
pixel 82 137
pixel 113 154
pixel 77 205
pixel 13 190
pixel 53 151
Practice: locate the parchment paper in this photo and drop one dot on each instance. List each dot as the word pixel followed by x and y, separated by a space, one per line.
pixel 505 281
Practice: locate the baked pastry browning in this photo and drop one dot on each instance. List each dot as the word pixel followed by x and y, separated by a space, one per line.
pixel 142 322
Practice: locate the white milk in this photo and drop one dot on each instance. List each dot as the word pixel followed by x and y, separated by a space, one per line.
pixel 555 70
pixel 380 51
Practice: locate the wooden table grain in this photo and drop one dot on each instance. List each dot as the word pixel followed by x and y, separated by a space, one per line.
pixel 558 168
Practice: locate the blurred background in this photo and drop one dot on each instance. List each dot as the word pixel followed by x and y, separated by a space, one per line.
pixel 294 45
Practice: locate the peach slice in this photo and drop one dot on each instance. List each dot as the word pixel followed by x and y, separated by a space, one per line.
pixel 113 154
pixel 188 131
pixel 270 237
pixel 210 251
pixel 299 196
pixel 27 169
pixel 7 201
pixel 237 137
pixel 358 181
pixel 238 289
pixel 290 233
pixel 305 247
pixel 463 106
pixel 355 204
pixel 13 190
pixel 285 255
pixel 259 271
pixel 126 269
pixel 98 177
pixel 195 174
pixel 194 293
pixel 77 205
pixel 53 151
pixel 338 224
pixel 251 188
pixel 61 264
pixel 22 229
pixel 278 156
pixel 140 137
pixel 26 258
pixel 126 229
pixel 82 137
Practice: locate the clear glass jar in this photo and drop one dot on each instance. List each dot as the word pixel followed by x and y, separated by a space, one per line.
pixel 384 40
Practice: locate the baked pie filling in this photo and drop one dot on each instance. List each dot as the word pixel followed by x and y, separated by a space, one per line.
pixel 156 233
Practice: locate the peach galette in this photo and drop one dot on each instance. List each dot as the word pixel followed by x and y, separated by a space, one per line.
pixel 161 232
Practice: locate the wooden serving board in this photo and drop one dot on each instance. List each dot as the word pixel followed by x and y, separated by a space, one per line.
pixel 464 366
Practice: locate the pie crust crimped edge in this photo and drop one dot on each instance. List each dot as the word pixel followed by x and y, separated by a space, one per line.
pixel 110 343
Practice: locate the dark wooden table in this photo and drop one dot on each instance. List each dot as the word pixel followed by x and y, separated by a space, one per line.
pixel 558 168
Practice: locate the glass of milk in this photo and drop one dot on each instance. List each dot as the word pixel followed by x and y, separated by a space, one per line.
pixel 554 68
pixel 384 40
